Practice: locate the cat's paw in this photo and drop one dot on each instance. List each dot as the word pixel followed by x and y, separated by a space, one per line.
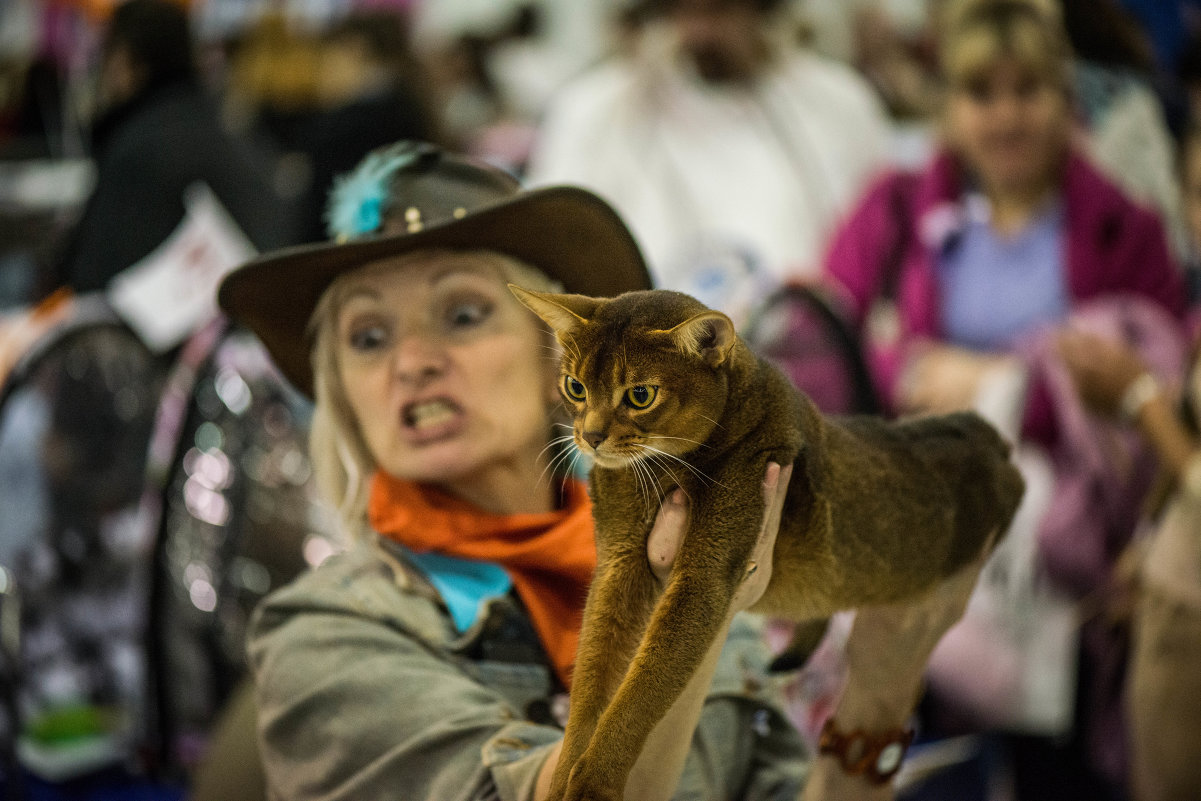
pixel 590 794
pixel 587 784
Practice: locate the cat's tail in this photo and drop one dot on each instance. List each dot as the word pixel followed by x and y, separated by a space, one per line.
pixel 805 638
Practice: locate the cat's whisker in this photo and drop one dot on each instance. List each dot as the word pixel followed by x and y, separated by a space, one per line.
pixel 711 420
pixel 642 477
pixel 696 472
pixel 560 457
pixel 568 458
pixel 555 441
pixel 681 439
pixel 666 469
pixel 573 470
pixel 550 468
pixel 571 347
pixel 566 454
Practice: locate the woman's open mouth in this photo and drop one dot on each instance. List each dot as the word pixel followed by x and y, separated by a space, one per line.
pixel 433 418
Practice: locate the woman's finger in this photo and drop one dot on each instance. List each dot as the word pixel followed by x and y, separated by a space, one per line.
pixel 775 489
pixel 671 523
pixel 759 566
pixel 666 535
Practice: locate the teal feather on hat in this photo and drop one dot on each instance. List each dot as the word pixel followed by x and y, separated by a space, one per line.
pixel 357 201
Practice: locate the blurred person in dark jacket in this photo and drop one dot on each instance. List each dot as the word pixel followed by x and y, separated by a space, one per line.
pixel 368 95
pixel 155 134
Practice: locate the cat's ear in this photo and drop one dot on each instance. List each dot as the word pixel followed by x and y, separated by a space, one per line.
pixel 709 335
pixel 563 313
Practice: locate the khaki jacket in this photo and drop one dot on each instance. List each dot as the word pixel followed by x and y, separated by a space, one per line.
pixel 366 691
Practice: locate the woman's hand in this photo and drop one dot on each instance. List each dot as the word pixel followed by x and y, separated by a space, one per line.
pixel 672 522
pixel 942 378
pixel 1101 369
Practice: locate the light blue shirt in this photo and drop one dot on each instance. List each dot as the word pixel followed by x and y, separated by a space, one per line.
pixel 464 584
pixel 997 288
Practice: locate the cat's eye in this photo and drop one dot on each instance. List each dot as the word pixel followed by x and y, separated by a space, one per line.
pixel 641 396
pixel 574 389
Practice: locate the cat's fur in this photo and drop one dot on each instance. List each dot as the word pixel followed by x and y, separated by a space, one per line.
pixel 876 512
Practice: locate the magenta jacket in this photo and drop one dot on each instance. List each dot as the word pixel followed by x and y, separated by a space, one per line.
pixel 1113 247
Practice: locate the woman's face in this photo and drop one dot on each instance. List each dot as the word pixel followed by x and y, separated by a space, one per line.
pixel 1010 126
pixel 446 373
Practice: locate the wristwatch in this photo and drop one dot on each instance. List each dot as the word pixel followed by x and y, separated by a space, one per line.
pixel 876 756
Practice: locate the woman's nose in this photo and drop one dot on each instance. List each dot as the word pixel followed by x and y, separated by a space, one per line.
pixel 419 357
pixel 1008 109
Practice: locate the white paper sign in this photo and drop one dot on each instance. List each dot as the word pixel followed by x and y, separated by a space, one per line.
pixel 170 293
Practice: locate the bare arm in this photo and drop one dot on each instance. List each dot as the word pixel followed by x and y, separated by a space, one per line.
pixel 1104 372
pixel 887 653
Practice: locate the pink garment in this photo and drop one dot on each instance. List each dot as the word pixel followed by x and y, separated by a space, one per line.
pixel 1103 469
pixel 1113 246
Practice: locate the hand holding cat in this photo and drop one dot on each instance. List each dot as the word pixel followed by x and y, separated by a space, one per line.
pixel 672 523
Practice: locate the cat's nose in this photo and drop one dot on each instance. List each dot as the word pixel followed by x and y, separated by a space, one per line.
pixel 594 438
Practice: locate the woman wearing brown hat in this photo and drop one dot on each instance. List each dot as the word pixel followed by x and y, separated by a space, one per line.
pixel 432 660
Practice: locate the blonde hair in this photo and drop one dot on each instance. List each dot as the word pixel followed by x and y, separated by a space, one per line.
pixel 342 463
pixel 976 34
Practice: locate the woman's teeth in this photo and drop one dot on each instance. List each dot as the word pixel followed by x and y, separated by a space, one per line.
pixel 430 413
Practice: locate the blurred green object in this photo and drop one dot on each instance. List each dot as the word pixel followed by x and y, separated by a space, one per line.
pixel 64 724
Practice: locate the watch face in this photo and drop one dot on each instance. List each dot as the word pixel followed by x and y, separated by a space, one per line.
pixel 890 758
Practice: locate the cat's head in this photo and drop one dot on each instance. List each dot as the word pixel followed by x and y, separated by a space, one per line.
pixel 644 375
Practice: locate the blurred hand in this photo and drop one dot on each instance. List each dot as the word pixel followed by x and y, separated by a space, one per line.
pixel 941 378
pixel 1101 369
pixel 672 522
pixel 1126 583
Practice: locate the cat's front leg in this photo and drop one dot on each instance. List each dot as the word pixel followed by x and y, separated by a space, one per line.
pixel 615 615
pixel 683 629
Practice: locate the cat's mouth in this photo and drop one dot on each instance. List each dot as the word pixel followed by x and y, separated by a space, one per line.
pixel 429 414
pixel 610 456
pixel 610 461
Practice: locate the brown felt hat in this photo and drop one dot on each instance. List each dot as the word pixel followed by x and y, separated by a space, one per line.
pixel 437 200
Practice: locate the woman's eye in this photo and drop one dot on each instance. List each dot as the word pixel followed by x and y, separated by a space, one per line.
pixel 574 389
pixel 979 91
pixel 641 396
pixel 467 314
pixel 1028 86
pixel 369 337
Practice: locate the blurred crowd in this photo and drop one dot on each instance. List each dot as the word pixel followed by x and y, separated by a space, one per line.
pixel 955 185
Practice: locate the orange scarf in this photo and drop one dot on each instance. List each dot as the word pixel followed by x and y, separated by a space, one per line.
pixel 550 556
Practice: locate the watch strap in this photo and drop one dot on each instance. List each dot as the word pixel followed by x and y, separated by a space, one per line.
pixel 876 756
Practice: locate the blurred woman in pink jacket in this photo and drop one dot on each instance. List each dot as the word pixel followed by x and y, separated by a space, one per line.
pixel 1008 236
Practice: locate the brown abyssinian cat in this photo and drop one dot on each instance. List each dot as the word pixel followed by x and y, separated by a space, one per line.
pixel 665 394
